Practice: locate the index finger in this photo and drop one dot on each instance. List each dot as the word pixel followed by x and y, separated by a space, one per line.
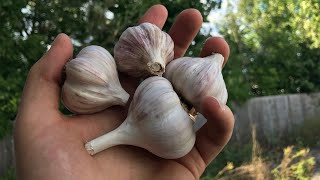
pixel 156 15
pixel 184 30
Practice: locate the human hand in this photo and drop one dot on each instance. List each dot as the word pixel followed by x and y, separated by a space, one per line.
pixel 50 145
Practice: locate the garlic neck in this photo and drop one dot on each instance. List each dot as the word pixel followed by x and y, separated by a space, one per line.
pixel 122 97
pixel 217 58
pixel 116 137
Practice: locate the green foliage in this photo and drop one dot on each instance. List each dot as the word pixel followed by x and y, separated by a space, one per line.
pixel 27 29
pixel 235 153
pixel 276 44
pixel 294 165
pixel 251 161
pixel 10 174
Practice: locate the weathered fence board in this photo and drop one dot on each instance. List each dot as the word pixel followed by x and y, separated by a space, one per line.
pixel 274 117
pixel 6 154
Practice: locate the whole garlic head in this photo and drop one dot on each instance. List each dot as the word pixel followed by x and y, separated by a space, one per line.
pixel 196 78
pixel 143 51
pixel 156 121
pixel 92 82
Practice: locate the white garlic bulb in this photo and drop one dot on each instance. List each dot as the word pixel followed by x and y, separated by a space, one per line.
pixel 92 82
pixel 156 121
pixel 196 78
pixel 143 51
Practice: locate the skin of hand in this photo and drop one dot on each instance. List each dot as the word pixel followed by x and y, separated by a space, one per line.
pixel 50 145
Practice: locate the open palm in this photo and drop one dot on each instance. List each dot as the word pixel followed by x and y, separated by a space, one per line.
pixel 50 145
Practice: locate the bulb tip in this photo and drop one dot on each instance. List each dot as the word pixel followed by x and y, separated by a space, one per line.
pixel 89 148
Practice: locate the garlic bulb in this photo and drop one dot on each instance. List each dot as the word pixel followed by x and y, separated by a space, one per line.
pixel 143 51
pixel 92 82
pixel 196 78
pixel 156 121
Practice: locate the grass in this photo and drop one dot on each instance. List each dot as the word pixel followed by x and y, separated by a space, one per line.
pixel 257 163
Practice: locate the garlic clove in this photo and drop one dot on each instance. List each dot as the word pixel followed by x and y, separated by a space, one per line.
pixel 156 121
pixel 196 78
pixel 143 51
pixel 92 82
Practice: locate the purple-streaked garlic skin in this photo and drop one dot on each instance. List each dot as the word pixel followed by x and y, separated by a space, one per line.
pixel 143 51
pixel 92 82
pixel 156 121
pixel 196 78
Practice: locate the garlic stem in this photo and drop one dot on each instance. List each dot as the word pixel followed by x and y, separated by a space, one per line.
pixel 113 138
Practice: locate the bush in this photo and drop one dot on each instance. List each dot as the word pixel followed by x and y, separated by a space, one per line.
pixel 235 153
pixel 253 162
pixel 294 165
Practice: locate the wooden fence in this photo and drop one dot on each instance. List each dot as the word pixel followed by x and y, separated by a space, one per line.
pixel 275 117
pixel 6 154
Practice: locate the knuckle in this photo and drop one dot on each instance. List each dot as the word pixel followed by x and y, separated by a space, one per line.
pixel 34 68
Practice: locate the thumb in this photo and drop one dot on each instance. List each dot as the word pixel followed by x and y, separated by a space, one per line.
pixel 52 63
pixel 42 90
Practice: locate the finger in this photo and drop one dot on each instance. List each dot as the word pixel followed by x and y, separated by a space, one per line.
pixel 156 15
pixel 216 45
pixel 215 134
pixel 184 29
pixel 42 91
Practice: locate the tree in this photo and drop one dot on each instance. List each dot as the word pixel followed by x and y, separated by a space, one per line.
pixel 28 27
pixel 276 44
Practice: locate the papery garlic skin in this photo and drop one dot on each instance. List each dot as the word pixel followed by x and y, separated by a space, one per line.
pixel 143 51
pixel 92 82
pixel 156 121
pixel 196 78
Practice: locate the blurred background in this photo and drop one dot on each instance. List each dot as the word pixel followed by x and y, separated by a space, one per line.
pixel 272 76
